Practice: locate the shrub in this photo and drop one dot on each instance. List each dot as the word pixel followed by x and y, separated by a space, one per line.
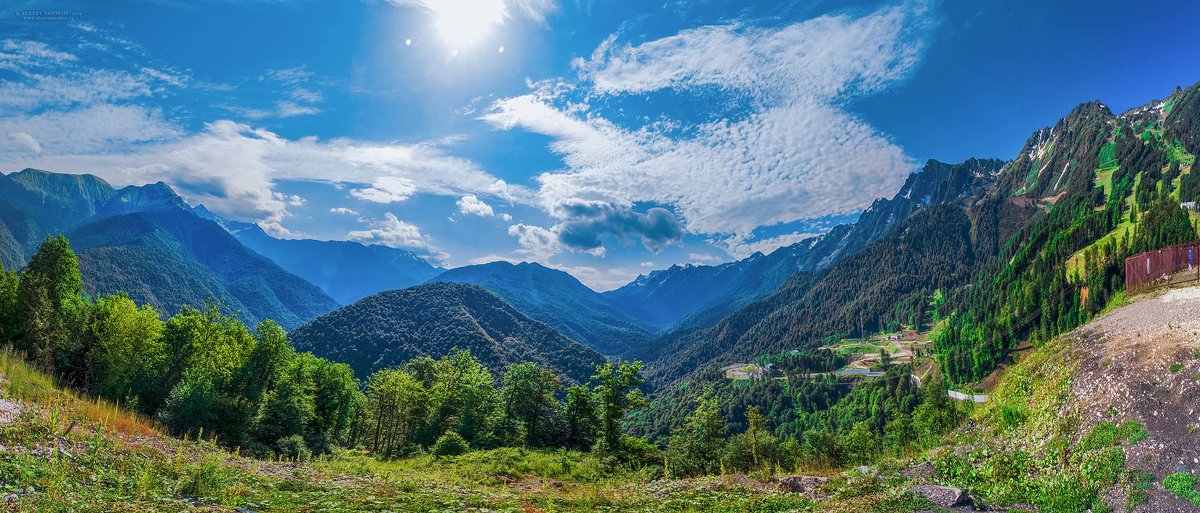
pixel 450 444
pixel 1183 485
pixel 1011 416
pixel 206 479
pixel 293 448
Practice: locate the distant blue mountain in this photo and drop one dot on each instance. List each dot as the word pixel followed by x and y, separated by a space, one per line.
pixel 558 300
pixel 347 271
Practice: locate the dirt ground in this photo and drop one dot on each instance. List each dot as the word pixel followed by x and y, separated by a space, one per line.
pixel 1142 362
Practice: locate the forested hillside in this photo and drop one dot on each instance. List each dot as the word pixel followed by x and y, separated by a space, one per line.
pixel 937 246
pixel 1115 185
pixel 390 328
pixel 1023 254
pixel 172 258
pixel 559 300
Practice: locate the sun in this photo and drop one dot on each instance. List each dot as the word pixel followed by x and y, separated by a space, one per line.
pixel 462 23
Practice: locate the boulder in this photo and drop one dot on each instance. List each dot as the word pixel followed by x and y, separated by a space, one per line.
pixel 943 496
pixel 921 472
pixel 802 484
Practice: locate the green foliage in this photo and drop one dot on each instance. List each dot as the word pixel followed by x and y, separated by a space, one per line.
pixel 50 295
pixel 396 405
pixel 12 318
pixel 617 394
pixel 1183 485
pixel 528 397
pixel 127 355
pixel 692 448
pixel 207 478
pixel 293 448
pixel 450 444
pixel 579 417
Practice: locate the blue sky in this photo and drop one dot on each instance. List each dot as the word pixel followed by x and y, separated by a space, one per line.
pixel 603 138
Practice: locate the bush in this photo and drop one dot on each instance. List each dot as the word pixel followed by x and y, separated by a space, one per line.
pixel 1183 485
pixel 293 448
pixel 450 444
pixel 206 479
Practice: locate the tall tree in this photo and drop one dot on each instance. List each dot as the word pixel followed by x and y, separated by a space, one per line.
pixel 127 356
pixel 579 418
pixel 462 397
pixel 51 296
pixel 694 447
pixel 396 405
pixel 617 394
pixel 12 318
pixel 528 397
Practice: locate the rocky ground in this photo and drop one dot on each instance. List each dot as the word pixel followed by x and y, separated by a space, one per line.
pixel 1142 362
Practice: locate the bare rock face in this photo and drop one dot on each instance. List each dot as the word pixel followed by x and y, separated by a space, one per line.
pixel 943 496
pixel 802 484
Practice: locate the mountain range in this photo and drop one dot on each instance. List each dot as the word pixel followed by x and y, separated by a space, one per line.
pixel 144 241
pixel 559 300
pixel 694 296
pixel 948 225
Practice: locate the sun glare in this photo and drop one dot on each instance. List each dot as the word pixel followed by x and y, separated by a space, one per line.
pixel 462 23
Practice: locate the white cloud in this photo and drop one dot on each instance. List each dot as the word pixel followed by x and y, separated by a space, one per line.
pixel 741 249
pixel 537 243
pixel 343 211
pixel 291 200
pixel 386 189
pixel 392 232
pixel 97 128
pixel 792 153
pixel 472 205
pixel 47 78
pixel 703 258
pixel 232 167
pixel 505 217
pixel 27 141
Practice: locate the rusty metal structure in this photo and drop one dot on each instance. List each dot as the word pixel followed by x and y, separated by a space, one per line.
pixel 1163 267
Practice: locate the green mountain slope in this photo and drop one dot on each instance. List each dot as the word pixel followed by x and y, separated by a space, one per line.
pixel 392 327
pixel 173 258
pixel 939 238
pixel 145 241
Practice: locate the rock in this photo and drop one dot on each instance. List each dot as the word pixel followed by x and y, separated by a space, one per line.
pixel 922 472
pixel 802 483
pixel 943 496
